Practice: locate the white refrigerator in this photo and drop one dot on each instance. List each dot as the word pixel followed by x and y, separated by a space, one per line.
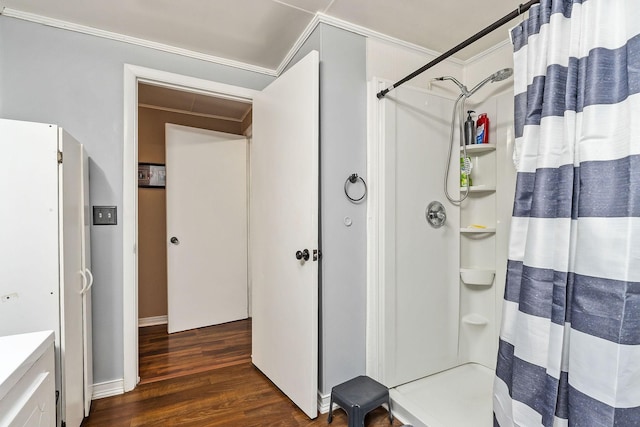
pixel 45 280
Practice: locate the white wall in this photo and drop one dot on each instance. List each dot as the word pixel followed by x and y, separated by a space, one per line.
pixel 421 294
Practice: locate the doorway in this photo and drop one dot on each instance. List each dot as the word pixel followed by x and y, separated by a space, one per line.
pixel 284 166
pixel 182 84
pixel 161 109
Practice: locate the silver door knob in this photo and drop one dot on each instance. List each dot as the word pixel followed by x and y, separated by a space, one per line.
pixel 175 241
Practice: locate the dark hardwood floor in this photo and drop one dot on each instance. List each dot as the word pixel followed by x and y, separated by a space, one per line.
pixel 163 356
pixel 205 378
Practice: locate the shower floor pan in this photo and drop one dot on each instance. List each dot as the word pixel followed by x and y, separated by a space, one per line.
pixel 458 397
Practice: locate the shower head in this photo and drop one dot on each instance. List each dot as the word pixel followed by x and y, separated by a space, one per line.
pixel 503 74
pixel 498 76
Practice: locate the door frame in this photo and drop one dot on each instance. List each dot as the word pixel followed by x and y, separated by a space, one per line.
pixel 134 74
pixel 376 242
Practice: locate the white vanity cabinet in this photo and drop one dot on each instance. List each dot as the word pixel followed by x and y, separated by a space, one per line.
pixel 27 380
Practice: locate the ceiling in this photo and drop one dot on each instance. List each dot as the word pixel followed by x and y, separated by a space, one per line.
pixel 261 33
pixel 197 104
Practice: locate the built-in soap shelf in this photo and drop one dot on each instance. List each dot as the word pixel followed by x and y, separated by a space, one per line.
pixel 480 188
pixel 475 319
pixel 479 148
pixel 471 230
pixel 477 276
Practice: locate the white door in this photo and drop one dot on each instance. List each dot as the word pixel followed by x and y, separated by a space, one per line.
pixel 72 285
pixel 206 193
pixel 284 220
pixel 87 320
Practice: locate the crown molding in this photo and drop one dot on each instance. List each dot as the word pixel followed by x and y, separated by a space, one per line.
pixel 487 52
pixel 354 28
pixel 65 25
pixel 311 26
pixel 319 18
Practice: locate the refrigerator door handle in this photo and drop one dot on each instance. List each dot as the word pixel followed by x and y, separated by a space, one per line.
pixel 90 274
pixel 84 282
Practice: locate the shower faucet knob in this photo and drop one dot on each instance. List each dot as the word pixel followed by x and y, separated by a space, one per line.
pixel 436 214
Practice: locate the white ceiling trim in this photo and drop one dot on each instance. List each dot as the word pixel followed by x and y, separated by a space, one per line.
pixel 357 29
pixel 345 25
pixel 193 113
pixel 318 18
pixel 57 23
pixel 298 44
pixel 488 51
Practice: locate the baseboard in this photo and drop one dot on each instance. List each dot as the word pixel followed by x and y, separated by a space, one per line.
pixel 107 389
pixel 152 321
pixel 323 402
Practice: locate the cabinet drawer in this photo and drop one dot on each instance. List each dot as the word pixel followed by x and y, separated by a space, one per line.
pixel 31 401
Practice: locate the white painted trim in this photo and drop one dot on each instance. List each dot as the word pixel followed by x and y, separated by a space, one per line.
pixel 193 113
pixel 130 231
pixel 132 75
pixel 152 321
pixel 375 238
pixel 372 333
pixel 317 19
pixel 58 23
pixel 487 52
pixel 348 26
pixel 107 389
pixel 311 26
pixel 323 402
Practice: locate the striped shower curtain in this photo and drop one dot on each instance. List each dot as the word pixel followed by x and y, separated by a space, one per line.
pixel 569 350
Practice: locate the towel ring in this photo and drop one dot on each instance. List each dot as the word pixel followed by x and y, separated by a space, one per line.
pixel 353 178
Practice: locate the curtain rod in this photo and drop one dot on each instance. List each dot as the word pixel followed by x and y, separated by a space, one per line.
pixel 500 22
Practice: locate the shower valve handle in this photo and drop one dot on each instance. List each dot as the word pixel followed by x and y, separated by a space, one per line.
pixel 437 215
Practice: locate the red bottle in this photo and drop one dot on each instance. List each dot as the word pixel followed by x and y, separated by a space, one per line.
pixel 482 129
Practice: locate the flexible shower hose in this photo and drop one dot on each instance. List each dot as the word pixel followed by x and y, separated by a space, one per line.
pixel 467 166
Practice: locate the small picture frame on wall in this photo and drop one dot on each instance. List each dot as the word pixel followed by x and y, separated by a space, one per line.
pixel 151 175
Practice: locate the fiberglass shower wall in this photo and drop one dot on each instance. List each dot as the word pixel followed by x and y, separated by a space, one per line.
pixel 417 279
pixel 421 301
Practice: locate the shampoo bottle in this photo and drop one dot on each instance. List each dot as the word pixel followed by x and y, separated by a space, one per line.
pixel 482 129
pixel 469 129
pixel 465 172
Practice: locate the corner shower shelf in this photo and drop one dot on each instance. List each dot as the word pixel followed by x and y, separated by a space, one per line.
pixel 478 230
pixel 475 319
pixel 480 188
pixel 478 277
pixel 479 148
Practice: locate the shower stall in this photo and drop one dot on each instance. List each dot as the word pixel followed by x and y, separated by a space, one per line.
pixel 434 294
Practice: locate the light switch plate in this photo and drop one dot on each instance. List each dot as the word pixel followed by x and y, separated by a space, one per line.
pixel 105 215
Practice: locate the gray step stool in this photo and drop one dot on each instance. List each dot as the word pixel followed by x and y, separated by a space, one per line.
pixel 358 397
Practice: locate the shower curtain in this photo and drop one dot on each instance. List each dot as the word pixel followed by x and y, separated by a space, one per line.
pixel 569 349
